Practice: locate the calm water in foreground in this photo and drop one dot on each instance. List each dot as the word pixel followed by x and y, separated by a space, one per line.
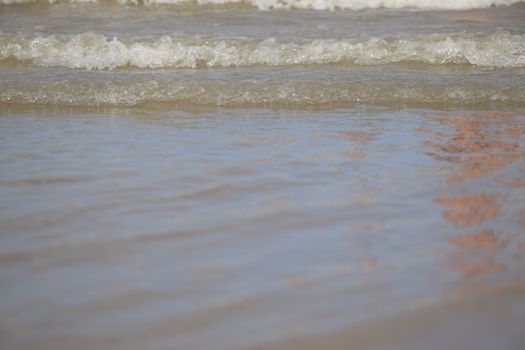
pixel 224 229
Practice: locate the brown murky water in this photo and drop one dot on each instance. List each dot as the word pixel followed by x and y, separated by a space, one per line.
pixel 364 228
pixel 262 174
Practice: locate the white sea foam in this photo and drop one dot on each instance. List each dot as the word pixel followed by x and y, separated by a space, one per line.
pixel 313 4
pixel 95 51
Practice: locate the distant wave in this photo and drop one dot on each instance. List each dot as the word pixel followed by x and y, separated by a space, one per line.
pixel 95 51
pixel 310 4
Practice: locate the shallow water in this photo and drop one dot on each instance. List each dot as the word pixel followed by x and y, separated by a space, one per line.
pixel 330 174
pixel 250 228
pixel 235 55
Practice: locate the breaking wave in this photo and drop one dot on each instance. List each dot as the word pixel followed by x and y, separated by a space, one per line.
pixel 95 51
pixel 310 4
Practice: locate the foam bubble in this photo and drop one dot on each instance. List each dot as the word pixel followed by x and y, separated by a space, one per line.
pixel 228 93
pixel 95 51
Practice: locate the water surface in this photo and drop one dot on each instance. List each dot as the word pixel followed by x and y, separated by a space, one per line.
pixel 246 228
pixel 329 174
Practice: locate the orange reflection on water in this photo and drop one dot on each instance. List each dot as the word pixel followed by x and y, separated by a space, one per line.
pixel 485 239
pixel 480 147
pixel 481 143
pixel 470 210
pixel 476 252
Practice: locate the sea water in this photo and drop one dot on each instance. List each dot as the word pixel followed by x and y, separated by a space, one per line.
pixel 262 174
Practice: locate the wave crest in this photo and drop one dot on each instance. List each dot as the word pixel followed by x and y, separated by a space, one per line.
pixel 95 51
